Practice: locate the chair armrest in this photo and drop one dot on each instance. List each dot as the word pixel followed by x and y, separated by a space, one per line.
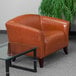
pixel 50 23
pixel 23 34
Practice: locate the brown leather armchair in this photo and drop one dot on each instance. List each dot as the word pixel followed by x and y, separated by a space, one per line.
pixel 47 33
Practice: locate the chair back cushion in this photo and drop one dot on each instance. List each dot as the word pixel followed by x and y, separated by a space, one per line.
pixel 29 20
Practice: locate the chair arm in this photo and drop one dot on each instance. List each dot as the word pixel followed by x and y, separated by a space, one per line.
pixel 24 34
pixel 50 23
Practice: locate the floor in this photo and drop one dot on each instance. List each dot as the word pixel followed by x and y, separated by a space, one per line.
pixel 57 64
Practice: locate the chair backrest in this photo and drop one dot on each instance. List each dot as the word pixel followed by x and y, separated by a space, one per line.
pixel 29 20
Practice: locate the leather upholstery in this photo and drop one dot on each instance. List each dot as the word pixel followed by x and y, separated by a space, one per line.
pixel 47 33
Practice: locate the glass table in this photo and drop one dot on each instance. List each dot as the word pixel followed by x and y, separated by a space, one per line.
pixel 10 51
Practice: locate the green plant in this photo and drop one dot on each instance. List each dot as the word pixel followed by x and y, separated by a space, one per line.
pixel 57 8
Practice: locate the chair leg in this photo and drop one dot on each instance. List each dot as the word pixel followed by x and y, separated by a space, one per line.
pixel 14 59
pixel 41 62
pixel 65 50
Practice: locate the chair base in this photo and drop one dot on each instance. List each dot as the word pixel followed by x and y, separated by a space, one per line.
pixel 41 62
pixel 14 59
pixel 65 50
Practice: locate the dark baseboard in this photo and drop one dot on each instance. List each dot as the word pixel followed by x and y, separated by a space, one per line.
pixel 3 31
pixel 72 33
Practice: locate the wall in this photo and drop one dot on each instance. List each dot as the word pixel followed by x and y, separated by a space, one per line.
pixel 12 8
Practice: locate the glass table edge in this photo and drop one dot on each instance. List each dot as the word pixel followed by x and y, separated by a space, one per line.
pixel 11 57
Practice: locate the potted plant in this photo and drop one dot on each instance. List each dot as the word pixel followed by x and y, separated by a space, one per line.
pixel 63 9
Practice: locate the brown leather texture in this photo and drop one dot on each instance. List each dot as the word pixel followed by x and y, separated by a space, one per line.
pixel 47 33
